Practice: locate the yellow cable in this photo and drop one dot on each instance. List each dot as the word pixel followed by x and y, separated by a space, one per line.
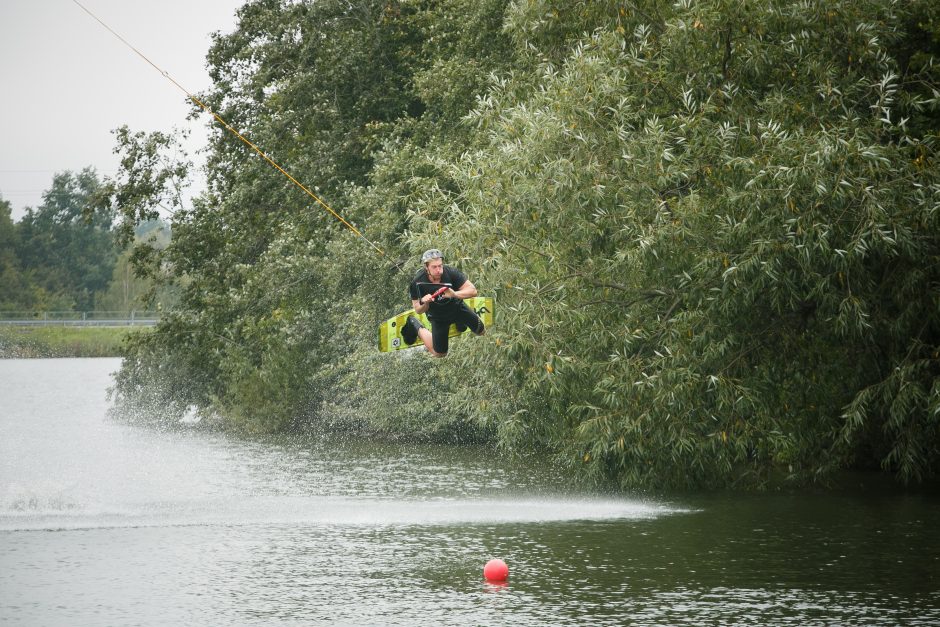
pixel 232 130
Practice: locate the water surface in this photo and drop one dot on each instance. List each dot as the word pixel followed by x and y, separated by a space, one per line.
pixel 103 522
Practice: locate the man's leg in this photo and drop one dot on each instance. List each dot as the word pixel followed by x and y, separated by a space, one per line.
pixel 440 338
pixel 470 320
pixel 427 338
pixel 413 330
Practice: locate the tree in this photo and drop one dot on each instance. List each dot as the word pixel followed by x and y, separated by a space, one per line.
pixel 130 289
pixel 13 290
pixel 717 232
pixel 711 229
pixel 258 323
pixel 65 245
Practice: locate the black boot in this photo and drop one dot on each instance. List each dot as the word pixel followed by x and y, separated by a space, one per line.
pixel 409 330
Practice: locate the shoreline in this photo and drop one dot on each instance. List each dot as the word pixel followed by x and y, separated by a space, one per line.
pixel 19 342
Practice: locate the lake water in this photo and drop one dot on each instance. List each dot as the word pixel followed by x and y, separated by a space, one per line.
pixel 107 523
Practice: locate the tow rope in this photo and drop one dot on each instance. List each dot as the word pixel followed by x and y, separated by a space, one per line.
pixel 233 131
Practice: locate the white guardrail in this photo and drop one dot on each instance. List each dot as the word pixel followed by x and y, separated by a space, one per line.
pixel 80 318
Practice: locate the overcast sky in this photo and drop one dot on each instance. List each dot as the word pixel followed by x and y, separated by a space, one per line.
pixel 66 82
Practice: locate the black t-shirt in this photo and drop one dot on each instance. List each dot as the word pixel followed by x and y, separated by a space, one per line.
pixel 421 285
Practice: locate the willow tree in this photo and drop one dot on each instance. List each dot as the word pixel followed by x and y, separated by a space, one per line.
pixel 713 232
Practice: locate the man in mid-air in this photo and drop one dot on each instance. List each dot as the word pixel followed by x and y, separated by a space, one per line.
pixel 439 291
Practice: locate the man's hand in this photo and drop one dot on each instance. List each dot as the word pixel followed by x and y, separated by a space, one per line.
pixel 440 294
pixel 444 292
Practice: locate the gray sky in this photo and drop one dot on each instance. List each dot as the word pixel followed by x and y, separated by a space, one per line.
pixel 66 82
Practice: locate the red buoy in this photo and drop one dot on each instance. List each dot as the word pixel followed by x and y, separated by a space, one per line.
pixel 495 570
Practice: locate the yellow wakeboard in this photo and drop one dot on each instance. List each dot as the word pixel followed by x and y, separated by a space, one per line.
pixel 390 338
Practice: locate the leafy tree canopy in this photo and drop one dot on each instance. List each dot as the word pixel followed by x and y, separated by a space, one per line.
pixel 13 290
pixel 711 228
pixel 65 246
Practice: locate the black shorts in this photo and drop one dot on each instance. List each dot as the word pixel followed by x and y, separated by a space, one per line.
pixel 463 317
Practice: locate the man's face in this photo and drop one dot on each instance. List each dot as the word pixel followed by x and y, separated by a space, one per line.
pixel 435 270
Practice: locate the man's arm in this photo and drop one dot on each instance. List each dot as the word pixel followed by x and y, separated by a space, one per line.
pixel 467 290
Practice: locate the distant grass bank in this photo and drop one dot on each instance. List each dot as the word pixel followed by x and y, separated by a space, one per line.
pixel 29 342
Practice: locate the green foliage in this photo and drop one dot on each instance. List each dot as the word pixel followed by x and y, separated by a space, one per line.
pixel 153 174
pixel 65 248
pixel 65 255
pixel 711 229
pixel 268 278
pixel 715 234
pixel 133 286
pixel 14 293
